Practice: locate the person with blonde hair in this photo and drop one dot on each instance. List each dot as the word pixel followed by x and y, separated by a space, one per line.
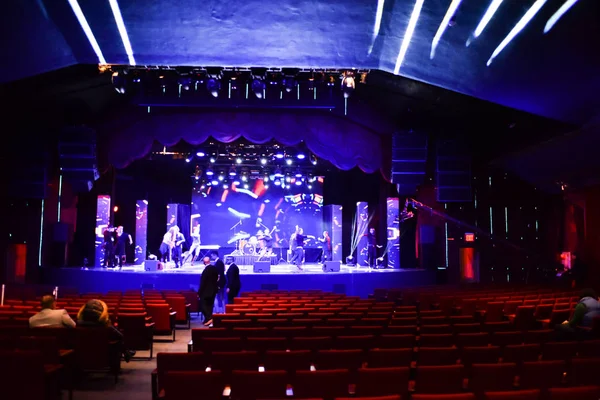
pixel 94 314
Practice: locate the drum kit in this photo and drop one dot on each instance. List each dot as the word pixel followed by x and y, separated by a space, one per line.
pixel 248 245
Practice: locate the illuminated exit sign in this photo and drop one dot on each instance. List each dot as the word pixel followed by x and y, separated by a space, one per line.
pixel 469 237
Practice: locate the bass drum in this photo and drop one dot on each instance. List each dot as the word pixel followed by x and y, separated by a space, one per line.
pixel 249 249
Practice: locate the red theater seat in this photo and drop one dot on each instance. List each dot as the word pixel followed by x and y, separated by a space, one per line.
pixel 575 393
pixel 383 381
pixel 180 385
pixel 513 395
pixel 439 379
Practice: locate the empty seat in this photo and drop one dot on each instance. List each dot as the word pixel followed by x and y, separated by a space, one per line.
pixel 336 359
pixel 492 377
pixel 559 350
pixel 381 358
pixel 480 339
pixel 441 340
pixel 521 353
pixel 395 341
pixel 439 379
pixel 228 361
pixel 436 329
pixel 584 371
pixel 321 384
pixel 541 374
pixel 532 394
pixel 578 393
pixel 589 348
pixel 179 384
pixel 506 338
pixel 453 396
pixel 437 356
pixel 479 355
pixel 383 381
pixel 253 384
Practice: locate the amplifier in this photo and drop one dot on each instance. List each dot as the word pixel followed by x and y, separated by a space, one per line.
pixel 332 266
pixel 151 265
pixel 262 267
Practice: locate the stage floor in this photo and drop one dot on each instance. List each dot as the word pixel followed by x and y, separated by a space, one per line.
pixel 353 281
pixel 278 269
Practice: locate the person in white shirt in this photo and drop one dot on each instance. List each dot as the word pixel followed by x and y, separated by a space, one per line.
pixel 50 316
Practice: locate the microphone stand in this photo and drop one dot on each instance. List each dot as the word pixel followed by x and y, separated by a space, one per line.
pixel 237 242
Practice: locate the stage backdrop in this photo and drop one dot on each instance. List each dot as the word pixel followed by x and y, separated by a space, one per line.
pixel 225 211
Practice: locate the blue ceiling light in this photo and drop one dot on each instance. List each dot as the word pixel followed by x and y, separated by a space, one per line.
pixel 558 15
pixel 487 17
pixel 114 6
pixel 410 29
pixel 445 22
pixel 87 30
pixel 528 16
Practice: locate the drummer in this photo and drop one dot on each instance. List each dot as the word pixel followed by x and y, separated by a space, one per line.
pixel 266 242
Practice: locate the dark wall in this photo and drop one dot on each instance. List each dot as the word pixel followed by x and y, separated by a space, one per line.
pixel 519 228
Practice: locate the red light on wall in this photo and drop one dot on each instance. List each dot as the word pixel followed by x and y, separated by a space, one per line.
pixel 115 208
pixel 469 237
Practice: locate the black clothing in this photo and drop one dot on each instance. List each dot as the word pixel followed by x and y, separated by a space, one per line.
pixel 371 239
pixel 220 266
pixel 110 239
pixel 234 283
pixel 121 246
pixel 208 290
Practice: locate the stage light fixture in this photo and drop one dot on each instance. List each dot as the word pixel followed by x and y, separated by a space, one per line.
pixel 246 186
pixel 236 182
pixel 214 182
pixel 200 154
pixel 258 87
pixel 289 161
pixel 221 176
pixel 301 156
pixel 287 186
pixel 238 160
pixel 232 171
pixel 209 172
pixel 184 82
pixel 277 182
pixel 119 81
pixel 298 173
pixel 379 262
pixel 313 159
pixel 310 186
pixel 212 160
pixel 213 86
pixel 298 182
pixel 263 161
pixel 188 159
pixel 350 261
pixel 289 82
pixel 278 173
pixel 288 179
pixel 279 155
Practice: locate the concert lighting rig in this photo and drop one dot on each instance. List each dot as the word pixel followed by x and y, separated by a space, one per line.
pixel 250 87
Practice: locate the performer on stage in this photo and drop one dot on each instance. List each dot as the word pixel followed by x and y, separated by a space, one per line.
pixel 326 240
pixel 372 248
pixel 110 239
pixel 123 239
pixel 266 241
pixel 167 245
pixel 297 247
pixel 177 247
pixel 194 248
pixel 234 283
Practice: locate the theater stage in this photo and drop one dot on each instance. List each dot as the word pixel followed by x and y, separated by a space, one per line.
pixel 352 281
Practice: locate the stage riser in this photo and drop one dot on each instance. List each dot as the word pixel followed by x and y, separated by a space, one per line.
pixel 352 284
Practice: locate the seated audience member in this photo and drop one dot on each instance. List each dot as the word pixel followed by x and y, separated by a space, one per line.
pixel 585 311
pixel 94 314
pixel 50 316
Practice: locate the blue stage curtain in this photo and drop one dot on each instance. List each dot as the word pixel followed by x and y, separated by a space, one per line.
pixel 335 139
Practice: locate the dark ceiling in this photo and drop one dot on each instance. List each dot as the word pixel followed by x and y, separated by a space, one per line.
pixel 553 74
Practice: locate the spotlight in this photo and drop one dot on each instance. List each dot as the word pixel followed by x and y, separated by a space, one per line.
pixel 379 263
pixel 277 182
pixel 288 161
pixel 348 83
pixel 238 160
pixel 278 173
pixel 310 186
pixel 200 154
pixel 221 176
pixel 301 156
pixel 116 208
pixel 263 161
pixel 209 172
pixel 214 182
pixel 236 182
pixel 313 159
pixel 298 173
pixel 298 182
pixel 258 87
pixel 225 187
pixel 188 159
pixel 212 160
pixel 289 82
pixel 287 186
pixel 185 82
pixel 279 155
pixel 118 81
pixel 232 171
pixel 213 86
pixel 246 186
pixel 350 261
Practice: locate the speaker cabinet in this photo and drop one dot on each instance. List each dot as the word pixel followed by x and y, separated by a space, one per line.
pixel 262 267
pixel 332 266
pixel 151 265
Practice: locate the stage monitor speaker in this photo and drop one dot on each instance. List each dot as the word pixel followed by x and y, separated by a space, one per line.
pixel 262 267
pixel 332 266
pixel 151 265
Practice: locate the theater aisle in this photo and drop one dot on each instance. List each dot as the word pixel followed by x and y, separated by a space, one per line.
pixel 134 381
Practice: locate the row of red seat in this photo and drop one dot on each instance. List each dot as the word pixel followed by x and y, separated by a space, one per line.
pixel 329 383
